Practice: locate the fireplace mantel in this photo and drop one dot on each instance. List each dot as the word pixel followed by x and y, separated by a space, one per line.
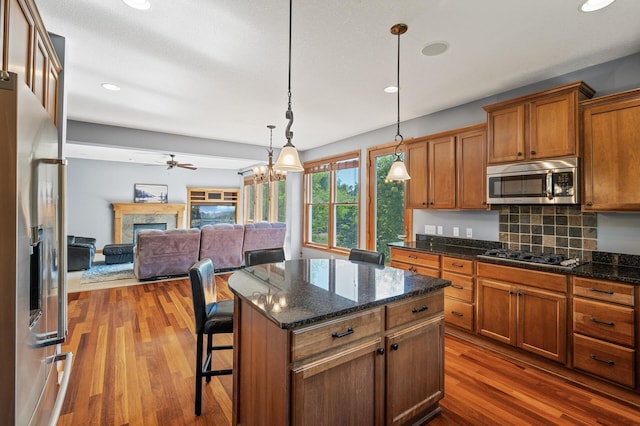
pixel 122 209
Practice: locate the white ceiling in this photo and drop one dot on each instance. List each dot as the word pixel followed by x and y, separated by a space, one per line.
pixel 218 68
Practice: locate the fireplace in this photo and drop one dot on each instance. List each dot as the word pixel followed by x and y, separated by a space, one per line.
pixel 127 215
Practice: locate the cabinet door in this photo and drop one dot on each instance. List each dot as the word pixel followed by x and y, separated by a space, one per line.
pixel 471 159
pixel 612 156
pixel 323 391
pixel 415 373
pixel 20 42
pixel 416 187
pixel 442 173
pixel 552 126
pixel 506 134
pixel 542 323
pixel 497 310
pixel 3 34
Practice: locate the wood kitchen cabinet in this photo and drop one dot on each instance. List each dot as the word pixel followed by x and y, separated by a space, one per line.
pixel 540 125
pixel 523 308
pixel 416 261
pixel 612 152
pixel 448 170
pixel 604 324
pixel 460 295
pixel 28 51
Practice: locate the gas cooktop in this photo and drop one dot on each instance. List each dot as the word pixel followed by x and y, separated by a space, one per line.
pixel 543 259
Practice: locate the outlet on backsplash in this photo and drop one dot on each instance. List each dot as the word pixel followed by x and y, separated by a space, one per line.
pixel 456 231
pixel 429 229
pixel 440 230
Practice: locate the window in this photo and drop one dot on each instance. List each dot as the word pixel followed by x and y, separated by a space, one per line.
pixel 208 206
pixel 331 204
pixel 264 201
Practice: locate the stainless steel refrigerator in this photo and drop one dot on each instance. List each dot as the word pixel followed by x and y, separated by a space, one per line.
pixel 33 298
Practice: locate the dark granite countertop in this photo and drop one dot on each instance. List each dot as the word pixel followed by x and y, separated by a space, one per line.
pixel 301 292
pixel 619 267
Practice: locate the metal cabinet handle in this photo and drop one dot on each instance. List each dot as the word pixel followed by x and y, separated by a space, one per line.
pixel 380 351
pixel 346 333
pixel 606 361
pixel 420 309
pixel 597 321
pixel 519 154
pixel 533 152
pixel 457 265
pixel 458 314
pixel 457 287
pixel 588 203
pixel 412 257
pixel 394 347
pixel 610 292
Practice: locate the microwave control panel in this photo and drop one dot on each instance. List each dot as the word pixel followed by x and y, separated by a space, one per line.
pixel 563 184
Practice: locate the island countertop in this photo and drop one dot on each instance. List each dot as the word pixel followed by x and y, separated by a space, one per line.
pixel 301 292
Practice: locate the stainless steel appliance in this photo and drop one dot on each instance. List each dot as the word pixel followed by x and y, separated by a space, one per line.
pixel 522 256
pixel 33 299
pixel 554 181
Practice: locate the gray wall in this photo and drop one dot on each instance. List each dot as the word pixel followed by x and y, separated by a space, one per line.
pixel 93 185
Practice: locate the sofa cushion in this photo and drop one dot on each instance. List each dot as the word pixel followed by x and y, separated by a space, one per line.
pixel 165 253
pixel 263 235
pixel 222 243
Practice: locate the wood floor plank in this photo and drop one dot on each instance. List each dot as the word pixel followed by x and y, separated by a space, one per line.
pixel 134 364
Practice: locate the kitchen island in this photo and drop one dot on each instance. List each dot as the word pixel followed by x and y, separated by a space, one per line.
pixel 321 341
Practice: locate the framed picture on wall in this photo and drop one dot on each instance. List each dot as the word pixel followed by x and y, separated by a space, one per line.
pixel 148 193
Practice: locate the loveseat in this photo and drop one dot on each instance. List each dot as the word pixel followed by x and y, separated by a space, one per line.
pixel 172 252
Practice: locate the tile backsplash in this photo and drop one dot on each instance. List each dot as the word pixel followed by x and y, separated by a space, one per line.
pixel 549 229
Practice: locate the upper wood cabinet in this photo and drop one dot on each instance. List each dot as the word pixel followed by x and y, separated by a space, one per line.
pixel 448 170
pixel 540 125
pixel 612 152
pixel 28 52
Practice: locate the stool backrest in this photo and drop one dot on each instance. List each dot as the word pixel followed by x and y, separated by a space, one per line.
pixel 258 257
pixel 367 256
pixel 203 290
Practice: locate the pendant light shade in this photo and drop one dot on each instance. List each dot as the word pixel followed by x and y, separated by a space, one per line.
pixel 398 171
pixel 288 160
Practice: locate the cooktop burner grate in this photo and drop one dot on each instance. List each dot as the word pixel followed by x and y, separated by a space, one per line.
pixel 525 256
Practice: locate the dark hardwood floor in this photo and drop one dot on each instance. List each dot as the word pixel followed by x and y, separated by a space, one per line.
pixel 134 364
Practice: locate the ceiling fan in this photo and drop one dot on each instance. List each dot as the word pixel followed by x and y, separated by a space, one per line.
pixel 172 163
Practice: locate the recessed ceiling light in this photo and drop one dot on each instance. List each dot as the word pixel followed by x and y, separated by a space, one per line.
pixel 111 86
pixel 593 5
pixel 138 4
pixel 435 48
pixel 390 89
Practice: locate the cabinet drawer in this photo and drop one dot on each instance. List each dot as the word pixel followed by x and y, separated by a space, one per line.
pixel 604 359
pixel 604 321
pixel 417 269
pixel 545 280
pixel 458 313
pixel 604 290
pixel 414 309
pixel 461 286
pixel 416 258
pixel 460 266
pixel 328 335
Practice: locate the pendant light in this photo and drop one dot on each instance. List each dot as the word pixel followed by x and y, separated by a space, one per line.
pixel 288 159
pixel 398 171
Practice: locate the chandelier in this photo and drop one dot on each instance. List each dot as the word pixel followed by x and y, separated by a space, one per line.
pixel 268 173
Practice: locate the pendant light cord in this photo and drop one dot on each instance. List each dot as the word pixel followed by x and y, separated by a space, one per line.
pixel 398 135
pixel 288 134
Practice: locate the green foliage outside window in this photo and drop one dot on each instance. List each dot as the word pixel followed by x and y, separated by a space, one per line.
pixel 389 206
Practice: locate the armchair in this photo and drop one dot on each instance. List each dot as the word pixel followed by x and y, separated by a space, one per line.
pixel 80 252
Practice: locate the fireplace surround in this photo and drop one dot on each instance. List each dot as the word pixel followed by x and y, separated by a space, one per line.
pixel 125 215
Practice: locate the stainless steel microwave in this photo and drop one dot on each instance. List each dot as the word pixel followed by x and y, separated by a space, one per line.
pixel 554 181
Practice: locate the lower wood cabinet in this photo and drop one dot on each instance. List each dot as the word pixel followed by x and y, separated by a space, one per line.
pixel 530 318
pixel 416 261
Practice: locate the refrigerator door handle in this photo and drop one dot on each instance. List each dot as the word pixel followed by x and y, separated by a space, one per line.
pixel 64 384
pixel 58 336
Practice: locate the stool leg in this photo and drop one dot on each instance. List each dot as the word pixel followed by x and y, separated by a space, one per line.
pixel 199 341
pixel 209 355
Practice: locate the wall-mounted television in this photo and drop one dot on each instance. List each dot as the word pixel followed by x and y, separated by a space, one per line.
pixel 209 215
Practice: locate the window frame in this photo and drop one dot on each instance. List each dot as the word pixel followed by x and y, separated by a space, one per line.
pixel 257 201
pixel 331 164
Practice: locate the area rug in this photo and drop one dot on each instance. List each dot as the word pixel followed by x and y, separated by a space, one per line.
pixel 100 272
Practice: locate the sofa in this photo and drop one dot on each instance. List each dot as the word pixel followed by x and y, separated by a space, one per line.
pixel 80 252
pixel 172 252
pixel 165 253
